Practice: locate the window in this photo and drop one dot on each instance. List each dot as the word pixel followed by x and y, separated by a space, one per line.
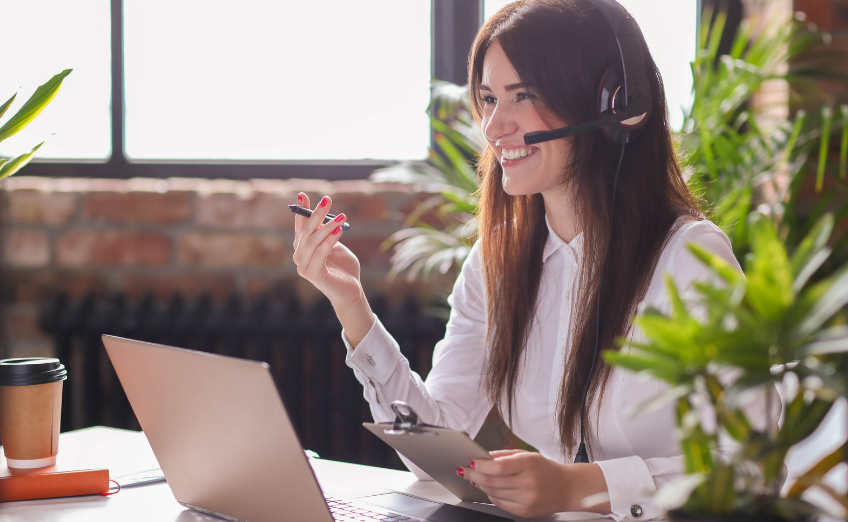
pixel 39 42
pixel 670 29
pixel 259 80
pixel 327 89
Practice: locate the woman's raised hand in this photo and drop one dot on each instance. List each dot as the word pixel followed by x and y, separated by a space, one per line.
pixel 331 267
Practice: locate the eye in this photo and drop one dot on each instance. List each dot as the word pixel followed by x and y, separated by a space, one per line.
pixel 521 96
pixel 487 99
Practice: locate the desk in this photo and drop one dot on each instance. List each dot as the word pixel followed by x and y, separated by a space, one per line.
pixel 123 451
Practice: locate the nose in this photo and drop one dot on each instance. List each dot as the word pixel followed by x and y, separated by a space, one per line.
pixel 500 123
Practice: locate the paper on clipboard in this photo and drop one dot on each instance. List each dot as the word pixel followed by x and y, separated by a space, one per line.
pixel 437 451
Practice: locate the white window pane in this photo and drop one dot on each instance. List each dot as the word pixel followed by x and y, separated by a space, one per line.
pixel 670 29
pixel 254 79
pixel 40 38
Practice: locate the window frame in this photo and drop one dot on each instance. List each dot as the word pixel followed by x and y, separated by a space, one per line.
pixel 454 23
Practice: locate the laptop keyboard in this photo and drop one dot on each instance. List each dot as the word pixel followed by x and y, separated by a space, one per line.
pixel 344 511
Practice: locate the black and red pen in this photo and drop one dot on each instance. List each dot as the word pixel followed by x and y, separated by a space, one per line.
pixel 305 212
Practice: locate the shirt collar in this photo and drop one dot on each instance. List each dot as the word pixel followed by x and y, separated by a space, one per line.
pixel 554 243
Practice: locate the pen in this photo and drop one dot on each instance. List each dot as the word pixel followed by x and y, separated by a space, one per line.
pixel 305 212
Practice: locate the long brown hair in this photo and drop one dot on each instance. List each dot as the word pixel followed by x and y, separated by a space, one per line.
pixel 561 48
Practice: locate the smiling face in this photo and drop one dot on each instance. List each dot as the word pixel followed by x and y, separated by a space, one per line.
pixel 509 113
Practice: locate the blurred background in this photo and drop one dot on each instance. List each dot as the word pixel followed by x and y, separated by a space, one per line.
pixel 156 209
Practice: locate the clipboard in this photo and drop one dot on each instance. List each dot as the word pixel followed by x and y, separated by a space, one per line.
pixel 437 451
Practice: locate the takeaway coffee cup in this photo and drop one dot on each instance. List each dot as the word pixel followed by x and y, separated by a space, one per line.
pixel 30 410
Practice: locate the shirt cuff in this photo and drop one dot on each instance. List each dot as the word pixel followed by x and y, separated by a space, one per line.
pixel 376 356
pixel 631 489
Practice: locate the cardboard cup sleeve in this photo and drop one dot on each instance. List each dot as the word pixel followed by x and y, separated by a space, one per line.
pixel 29 424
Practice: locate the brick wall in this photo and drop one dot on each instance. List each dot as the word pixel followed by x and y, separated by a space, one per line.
pixel 192 236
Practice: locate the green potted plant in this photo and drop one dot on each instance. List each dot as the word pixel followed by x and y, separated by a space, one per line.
pixel 442 228
pixel 22 117
pixel 738 154
pixel 772 326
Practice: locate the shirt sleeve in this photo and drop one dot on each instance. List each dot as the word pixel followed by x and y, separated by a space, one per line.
pixel 633 481
pixel 451 396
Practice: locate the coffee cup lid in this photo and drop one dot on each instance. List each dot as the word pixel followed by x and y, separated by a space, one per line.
pixel 26 371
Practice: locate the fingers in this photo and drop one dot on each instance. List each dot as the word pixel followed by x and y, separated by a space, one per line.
pixel 505 452
pixel 505 462
pixel 305 227
pixel 490 482
pixel 314 248
pixel 303 201
pixel 317 257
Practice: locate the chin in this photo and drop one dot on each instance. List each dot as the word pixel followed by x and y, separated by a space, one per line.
pixel 516 186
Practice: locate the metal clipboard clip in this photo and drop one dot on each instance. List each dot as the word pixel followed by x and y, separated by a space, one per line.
pixel 406 421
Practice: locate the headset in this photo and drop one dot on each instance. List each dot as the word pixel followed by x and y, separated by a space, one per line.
pixel 624 106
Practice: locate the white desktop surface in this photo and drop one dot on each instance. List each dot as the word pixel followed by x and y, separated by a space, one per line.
pixel 123 451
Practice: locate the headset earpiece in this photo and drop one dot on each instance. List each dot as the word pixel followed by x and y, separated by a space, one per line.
pixel 610 101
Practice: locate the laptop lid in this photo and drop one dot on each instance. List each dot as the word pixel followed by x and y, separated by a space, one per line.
pixel 220 432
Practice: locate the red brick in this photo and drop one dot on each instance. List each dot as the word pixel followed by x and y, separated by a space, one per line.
pixel 368 251
pixel 37 207
pixel 233 250
pixel 112 248
pixel 26 248
pixel 360 208
pixel 187 284
pixel 829 16
pixel 138 207
pixel 263 211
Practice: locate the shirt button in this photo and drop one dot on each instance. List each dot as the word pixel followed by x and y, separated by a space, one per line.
pixel 636 510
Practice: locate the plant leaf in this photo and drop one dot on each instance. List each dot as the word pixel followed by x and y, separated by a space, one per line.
pixel 33 107
pixel 15 164
pixel 832 340
pixel 809 248
pixel 5 106
pixel 816 474
pixel 824 144
pixel 831 302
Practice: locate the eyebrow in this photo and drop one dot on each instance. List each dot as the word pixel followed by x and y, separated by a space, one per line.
pixel 510 87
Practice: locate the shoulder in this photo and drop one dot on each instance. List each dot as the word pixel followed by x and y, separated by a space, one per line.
pixel 469 290
pixel 703 232
pixel 678 261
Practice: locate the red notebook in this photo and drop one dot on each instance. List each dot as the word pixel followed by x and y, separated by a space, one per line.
pixel 51 481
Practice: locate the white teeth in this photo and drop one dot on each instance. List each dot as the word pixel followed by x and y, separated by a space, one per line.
pixel 512 154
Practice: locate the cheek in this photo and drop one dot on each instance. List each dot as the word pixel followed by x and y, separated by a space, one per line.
pixel 558 155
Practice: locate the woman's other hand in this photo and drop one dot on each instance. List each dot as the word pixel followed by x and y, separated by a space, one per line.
pixel 331 267
pixel 529 485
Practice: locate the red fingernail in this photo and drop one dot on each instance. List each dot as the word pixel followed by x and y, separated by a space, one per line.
pixel 459 472
pixel 299 198
pixel 337 230
pixel 473 483
pixel 472 464
pixel 324 201
pixel 340 217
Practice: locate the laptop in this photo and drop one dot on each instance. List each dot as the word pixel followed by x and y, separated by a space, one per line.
pixel 226 446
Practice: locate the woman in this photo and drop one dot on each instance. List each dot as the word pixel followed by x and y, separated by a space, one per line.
pixel 561 237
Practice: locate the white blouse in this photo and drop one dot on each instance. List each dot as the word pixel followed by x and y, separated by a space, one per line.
pixel 636 454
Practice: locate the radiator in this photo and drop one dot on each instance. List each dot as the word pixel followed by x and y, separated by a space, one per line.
pixel 302 345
